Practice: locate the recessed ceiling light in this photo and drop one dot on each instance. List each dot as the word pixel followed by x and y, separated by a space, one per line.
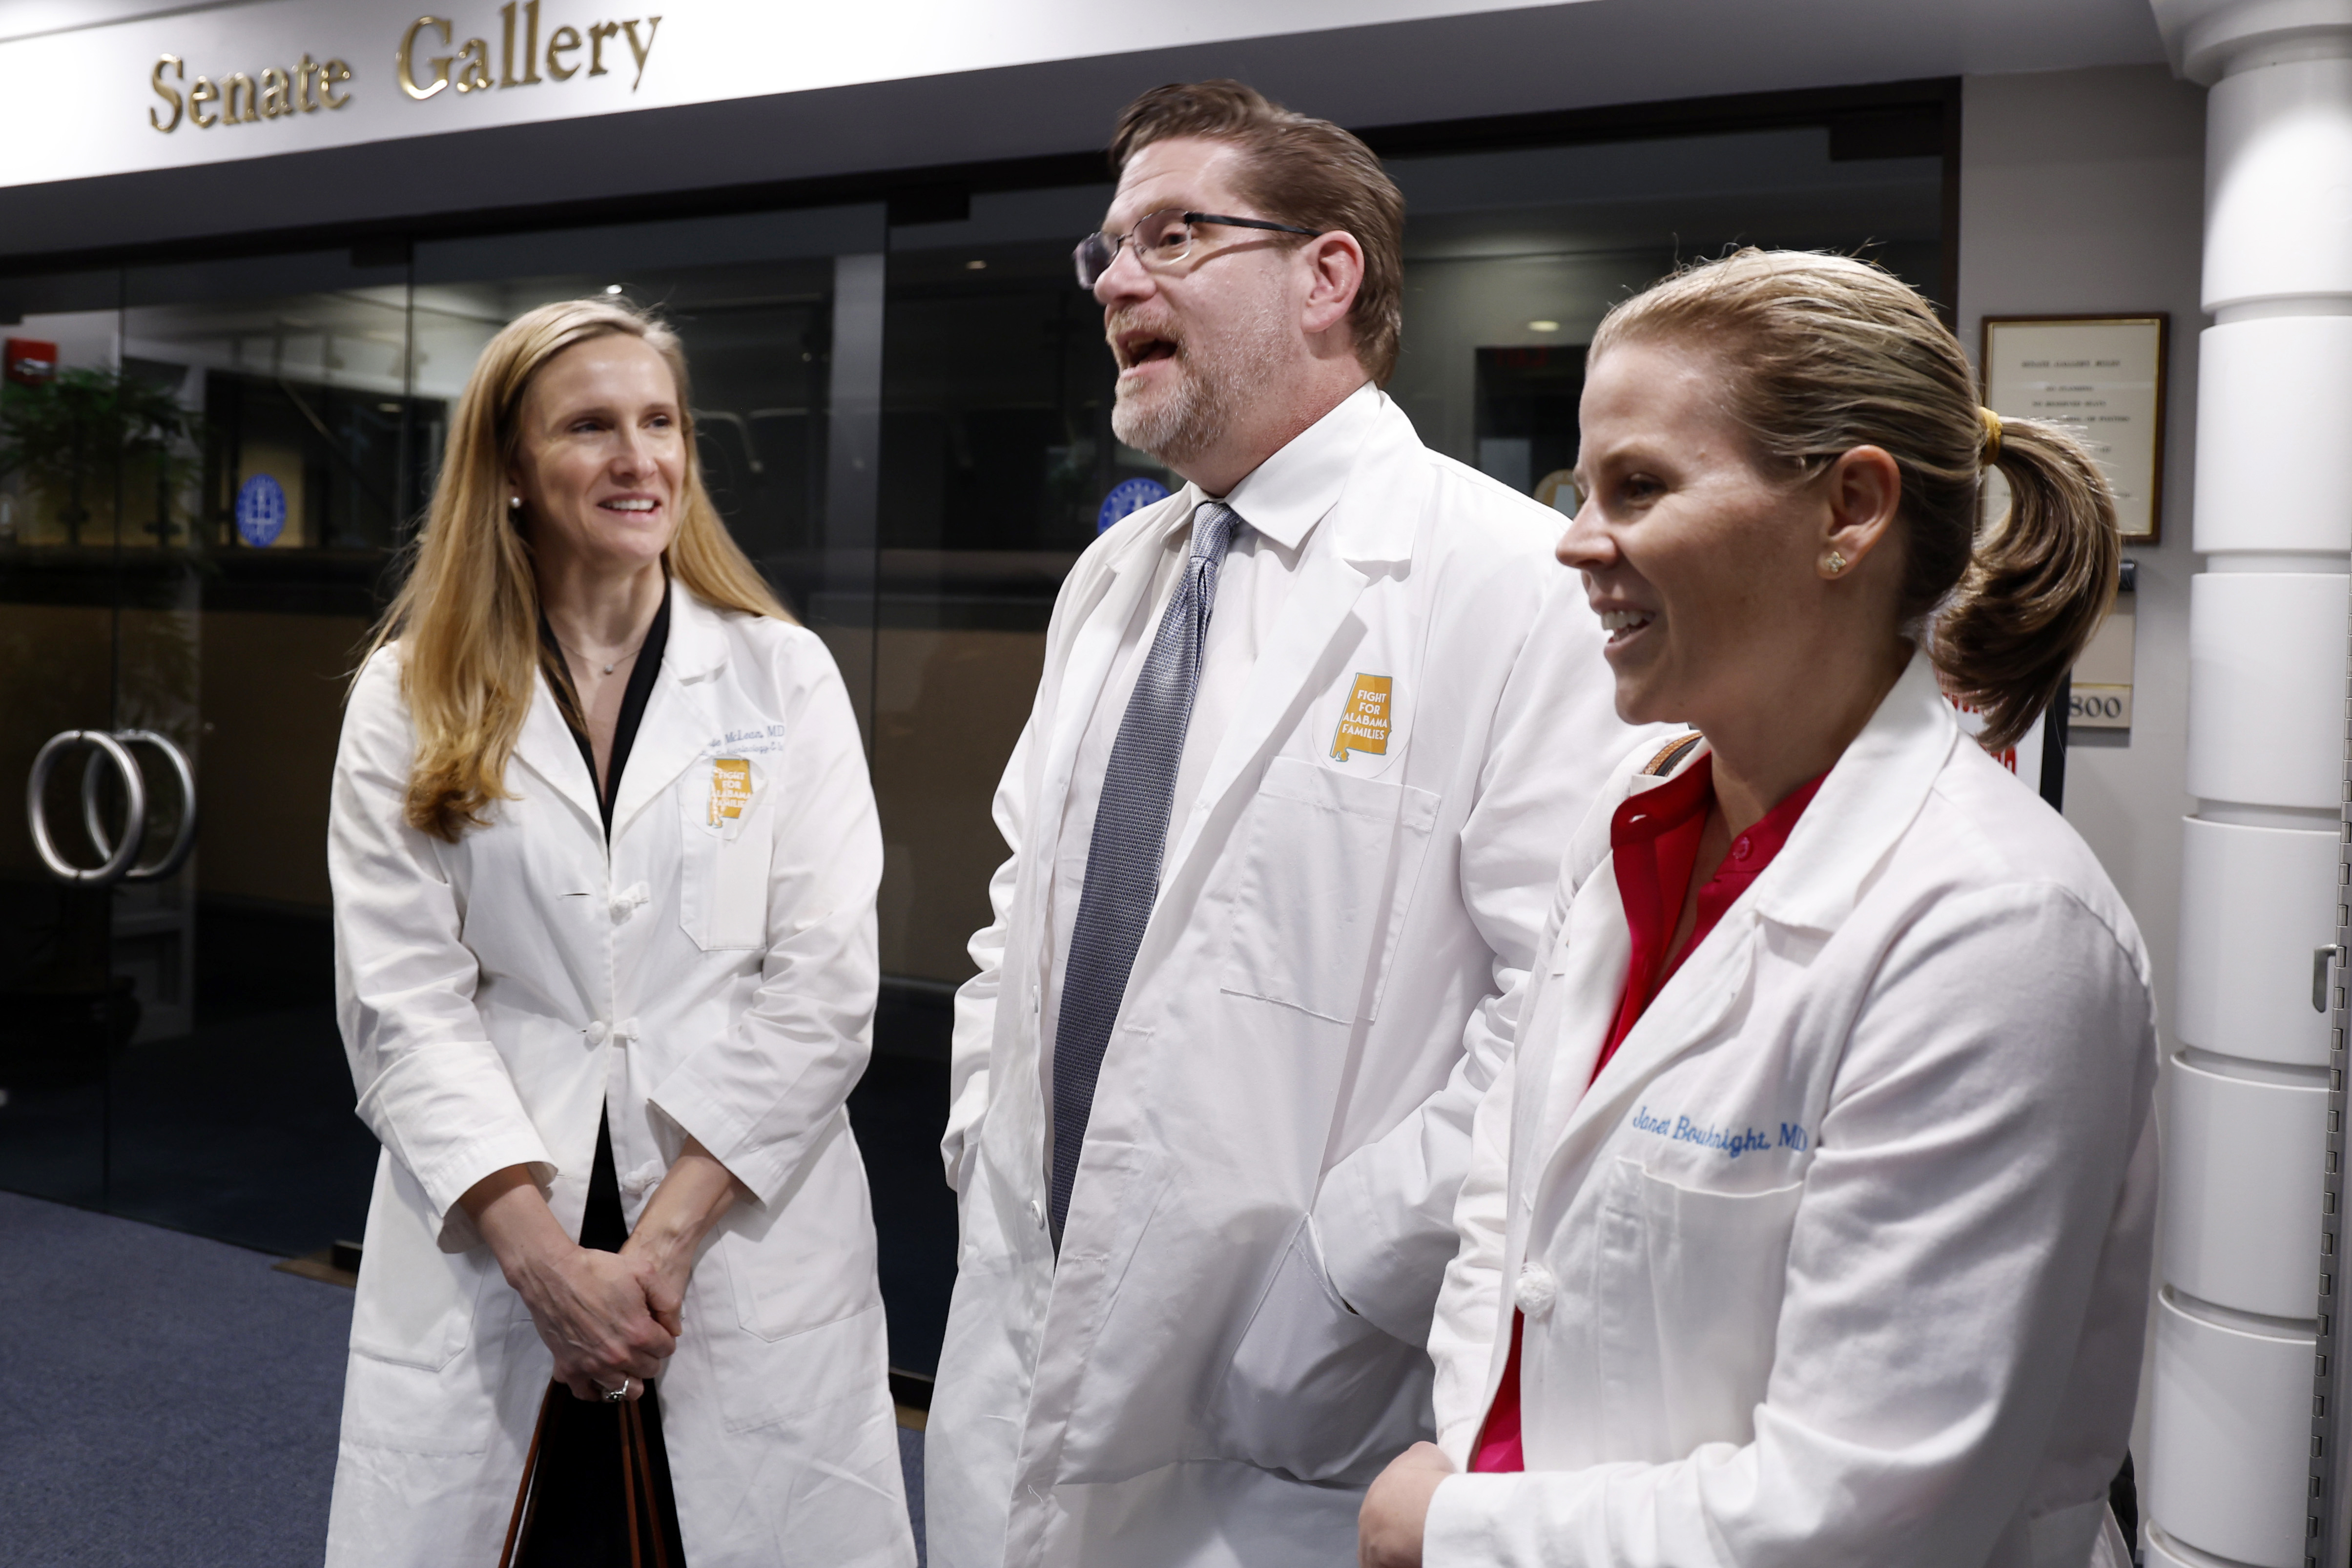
pixel 1543 326
pixel 975 266
pixel 611 288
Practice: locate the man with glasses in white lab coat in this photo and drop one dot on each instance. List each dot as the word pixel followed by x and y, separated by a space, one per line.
pixel 1274 870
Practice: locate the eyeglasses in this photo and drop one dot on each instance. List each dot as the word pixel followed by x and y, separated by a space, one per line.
pixel 1160 239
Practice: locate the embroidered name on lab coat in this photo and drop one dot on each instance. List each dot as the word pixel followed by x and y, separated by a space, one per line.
pixel 1364 721
pixel 1729 1142
pixel 755 741
pixel 730 790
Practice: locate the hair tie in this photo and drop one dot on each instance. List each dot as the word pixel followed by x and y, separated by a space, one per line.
pixel 1991 423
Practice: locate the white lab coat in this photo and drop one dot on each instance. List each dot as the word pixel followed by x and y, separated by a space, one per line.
pixel 1305 1031
pixel 1844 1259
pixel 499 994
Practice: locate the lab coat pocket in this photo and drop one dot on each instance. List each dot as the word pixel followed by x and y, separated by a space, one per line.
pixel 1716 1264
pixel 1329 866
pixel 416 1305
pixel 1315 1391
pixel 804 1383
pixel 807 1258
pixel 724 861
pixel 804 1329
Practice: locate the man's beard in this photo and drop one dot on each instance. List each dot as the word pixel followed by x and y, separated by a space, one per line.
pixel 1219 378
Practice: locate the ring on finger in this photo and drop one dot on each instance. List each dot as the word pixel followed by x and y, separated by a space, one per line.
pixel 615 1395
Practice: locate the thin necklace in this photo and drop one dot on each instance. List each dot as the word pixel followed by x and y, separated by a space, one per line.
pixel 609 669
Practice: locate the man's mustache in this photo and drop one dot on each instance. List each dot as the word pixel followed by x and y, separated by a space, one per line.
pixel 1127 327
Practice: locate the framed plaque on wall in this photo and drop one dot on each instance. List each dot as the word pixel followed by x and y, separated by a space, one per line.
pixel 2104 377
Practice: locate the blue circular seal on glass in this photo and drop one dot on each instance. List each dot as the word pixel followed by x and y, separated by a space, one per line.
pixel 260 512
pixel 1126 497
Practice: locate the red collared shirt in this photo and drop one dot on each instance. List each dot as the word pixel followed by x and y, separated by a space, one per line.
pixel 1653 843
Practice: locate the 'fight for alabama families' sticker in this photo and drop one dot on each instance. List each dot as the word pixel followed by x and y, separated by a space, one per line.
pixel 1364 721
pixel 730 789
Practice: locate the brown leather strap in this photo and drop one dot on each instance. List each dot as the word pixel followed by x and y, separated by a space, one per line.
pixel 636 1485
pixel 1672 752
pixel 633 1446
pixel 637 1477
pixel 519 1525
pixel 659 1532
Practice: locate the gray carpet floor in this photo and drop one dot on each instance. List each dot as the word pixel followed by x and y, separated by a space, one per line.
pixel 171 1402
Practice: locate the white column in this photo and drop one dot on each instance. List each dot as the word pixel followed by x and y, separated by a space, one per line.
pixel 2229 1460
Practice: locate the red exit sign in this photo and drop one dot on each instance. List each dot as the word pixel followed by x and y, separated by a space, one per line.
pixel 30 363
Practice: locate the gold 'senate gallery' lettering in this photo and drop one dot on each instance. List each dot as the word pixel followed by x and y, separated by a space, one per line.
pixel 428 60
pixel 272 93
pixel 466 67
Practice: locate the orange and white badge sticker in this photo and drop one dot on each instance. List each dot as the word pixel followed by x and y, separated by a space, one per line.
pixel 730 790
pixel 1364 721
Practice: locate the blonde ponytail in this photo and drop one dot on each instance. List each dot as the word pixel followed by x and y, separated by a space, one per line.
pixel 2037 584
pixel 1826 353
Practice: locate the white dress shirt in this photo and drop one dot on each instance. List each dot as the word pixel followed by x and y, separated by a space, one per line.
pixel 1277 504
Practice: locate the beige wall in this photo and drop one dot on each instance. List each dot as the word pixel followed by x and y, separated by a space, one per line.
pixel 2084 192
pixel 273 707
pixel 948 707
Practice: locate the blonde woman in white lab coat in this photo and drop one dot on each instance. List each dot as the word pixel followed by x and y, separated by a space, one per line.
pixel 604 857
pixel 1811 1224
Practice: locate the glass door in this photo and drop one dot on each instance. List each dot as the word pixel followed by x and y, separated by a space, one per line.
pixel 68 413
pixel 205 479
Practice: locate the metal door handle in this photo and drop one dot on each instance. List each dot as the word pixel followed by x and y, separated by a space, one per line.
pixel 183 840
pixel 2321 957
pixel 119 861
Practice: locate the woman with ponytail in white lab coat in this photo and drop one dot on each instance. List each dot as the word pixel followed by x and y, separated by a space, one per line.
pixel 1811 1223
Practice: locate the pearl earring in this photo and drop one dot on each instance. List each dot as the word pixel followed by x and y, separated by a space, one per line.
pixel 1833 563
pixel 514 504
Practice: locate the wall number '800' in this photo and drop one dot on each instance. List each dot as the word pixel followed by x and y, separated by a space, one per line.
pixel 2098 707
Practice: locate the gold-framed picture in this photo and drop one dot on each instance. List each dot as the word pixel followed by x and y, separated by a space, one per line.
pixel 2104 377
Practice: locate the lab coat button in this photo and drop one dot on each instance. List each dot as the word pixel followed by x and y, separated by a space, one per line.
pixel 1536 1290
pixel 625 902
pixel 598 1032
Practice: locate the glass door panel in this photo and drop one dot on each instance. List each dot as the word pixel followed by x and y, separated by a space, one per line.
pixel 66 409
pixel 998 458
pixel 242 616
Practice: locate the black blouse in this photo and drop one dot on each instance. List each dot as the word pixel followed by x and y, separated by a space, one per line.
pixel 634 698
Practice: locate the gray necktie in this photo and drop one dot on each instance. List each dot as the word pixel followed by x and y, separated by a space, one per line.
pixel 1129 839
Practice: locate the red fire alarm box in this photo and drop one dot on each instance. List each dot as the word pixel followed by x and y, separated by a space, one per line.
pixel 31 363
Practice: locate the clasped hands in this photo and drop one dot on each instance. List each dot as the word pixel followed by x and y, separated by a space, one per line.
pixel 606 1317
pixel 609 1319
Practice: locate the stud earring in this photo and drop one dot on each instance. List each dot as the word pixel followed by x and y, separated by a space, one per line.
pixel 514 504
pixel 1833 563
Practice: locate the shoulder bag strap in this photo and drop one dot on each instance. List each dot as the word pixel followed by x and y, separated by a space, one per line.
pixel 519 1524
pixel 637 1481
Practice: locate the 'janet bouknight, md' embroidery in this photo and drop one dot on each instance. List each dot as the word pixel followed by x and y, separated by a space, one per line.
pixel 1731 1142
